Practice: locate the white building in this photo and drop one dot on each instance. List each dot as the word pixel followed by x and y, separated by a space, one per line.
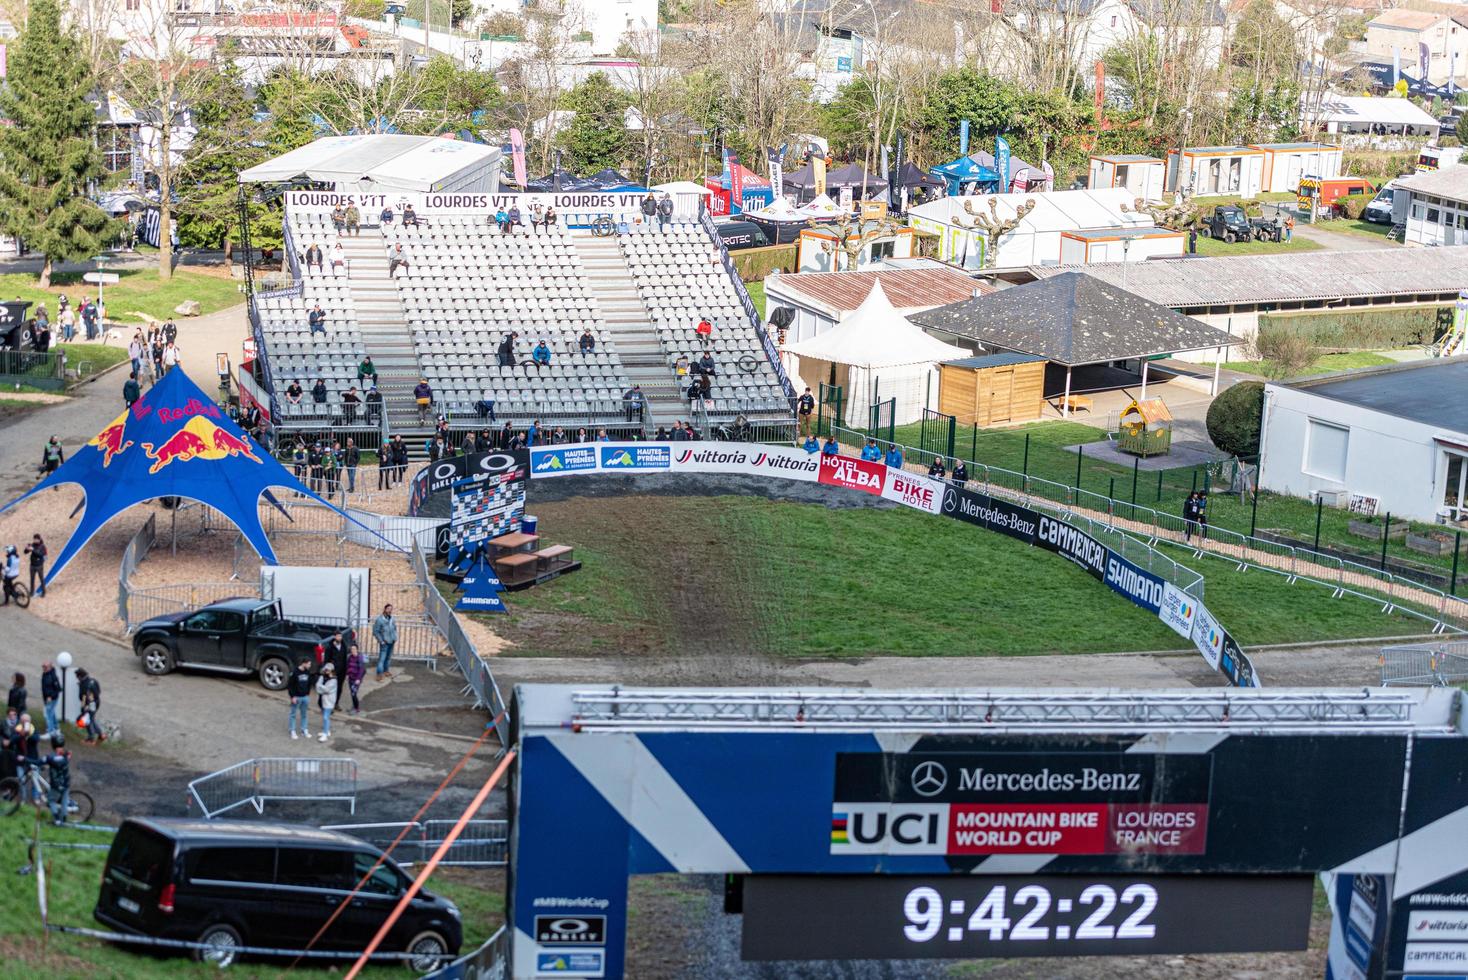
pixel 1141 175
pixel 1397 435
pixel 817 301
pixel 1037 240
pixel 1368 116
pixel 1434 206
pixel 1407 34
pixel 1286 163
pixel 1235 171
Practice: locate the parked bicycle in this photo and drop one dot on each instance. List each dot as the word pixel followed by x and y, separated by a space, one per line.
pixel 34 788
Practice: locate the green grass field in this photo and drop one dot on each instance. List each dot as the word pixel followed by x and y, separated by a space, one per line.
pixel 1325 363
pixel 140 291
pixel 1164 491
pixel 733 575
pixel 1366 229
pixel 93 358
pixel 757 294
pixel 72 880
pixel 1212 246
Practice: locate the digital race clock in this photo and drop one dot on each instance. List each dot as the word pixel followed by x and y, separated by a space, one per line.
pixel 964 916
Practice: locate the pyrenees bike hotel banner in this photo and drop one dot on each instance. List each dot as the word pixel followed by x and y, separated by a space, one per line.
pixel 1181 612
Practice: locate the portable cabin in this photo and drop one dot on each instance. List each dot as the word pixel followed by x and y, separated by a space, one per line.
pixel 1286 163
pixel 1141 175
pixel 1119 245
pixel 1145 428
pixel 1235 171
pixel 992 389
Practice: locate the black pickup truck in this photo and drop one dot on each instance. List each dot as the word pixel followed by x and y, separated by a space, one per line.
pixel 232 636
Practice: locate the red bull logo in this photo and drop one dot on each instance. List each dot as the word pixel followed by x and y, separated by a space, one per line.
pixel 199 439
pixel 110 440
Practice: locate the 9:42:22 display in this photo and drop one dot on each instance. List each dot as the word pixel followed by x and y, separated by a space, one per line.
pixel 1024 914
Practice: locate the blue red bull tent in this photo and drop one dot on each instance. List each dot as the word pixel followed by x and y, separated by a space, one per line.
pixel 173 442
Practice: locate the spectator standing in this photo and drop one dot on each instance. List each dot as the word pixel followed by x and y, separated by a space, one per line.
pixel 805 406
pixel 17 699
pixel 89 318
pixel 400 457
pixel 351 459
pixel 1203 515
pixel 89 693
pixel 316 320
pixel 58 777
pixel 423 397
pixel 960 472
pixel 507 349
pixel 385 632
pixel 52 456
pixel 170 357
pixel 335 655
pixel 893 458
pixel 356 670
pixel 350 401
pixel 50 694
pixel 665 211
pixel 327 693
pixel 831 447
pixel 871 452
pixel 1190 515
pixel 37 550
pixel 313 458
pixel 156 361
pixel 354 220
pixel 938 470
pixel 649 207
pixel 330 476
pixel 812 445
pixel 298 688
pixel 582 435
pixel 131 391
pixel 134 352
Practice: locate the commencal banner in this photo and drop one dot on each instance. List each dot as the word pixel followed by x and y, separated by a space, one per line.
pixel 1180 611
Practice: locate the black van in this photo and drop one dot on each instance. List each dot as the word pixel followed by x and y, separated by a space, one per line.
pixel 741 234
pixel 230 884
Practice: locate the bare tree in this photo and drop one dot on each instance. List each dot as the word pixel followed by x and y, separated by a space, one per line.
pixel 533 82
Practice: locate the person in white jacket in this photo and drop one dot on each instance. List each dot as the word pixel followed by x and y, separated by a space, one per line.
pixel 326 698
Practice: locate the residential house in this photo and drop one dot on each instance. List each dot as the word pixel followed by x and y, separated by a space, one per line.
pixel 1434 206
pixel 1411 35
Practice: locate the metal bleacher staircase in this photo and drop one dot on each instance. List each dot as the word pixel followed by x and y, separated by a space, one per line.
pixel 385 333
pixel 626 319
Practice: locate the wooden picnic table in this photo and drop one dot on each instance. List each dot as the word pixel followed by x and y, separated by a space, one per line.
pixel 1074 402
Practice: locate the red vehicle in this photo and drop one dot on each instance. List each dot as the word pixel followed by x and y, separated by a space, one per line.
pixel 1332 189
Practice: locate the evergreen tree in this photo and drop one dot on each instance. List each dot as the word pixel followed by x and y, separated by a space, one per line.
pixel 49 157
pixel 596 137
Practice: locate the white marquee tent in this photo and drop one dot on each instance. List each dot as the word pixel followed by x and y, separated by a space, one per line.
pixel 386 162
pixel 874 354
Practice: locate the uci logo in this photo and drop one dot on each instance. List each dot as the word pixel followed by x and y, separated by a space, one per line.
pixel 929 778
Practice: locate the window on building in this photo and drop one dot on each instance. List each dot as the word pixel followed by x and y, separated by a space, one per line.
pixel 1455 491
pixel 1432 214
pixel 1325 450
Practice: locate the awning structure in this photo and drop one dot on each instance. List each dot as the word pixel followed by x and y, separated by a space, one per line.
pixel 875 335
pixel 384 162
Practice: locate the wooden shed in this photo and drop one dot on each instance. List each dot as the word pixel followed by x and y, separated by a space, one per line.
pixel 991 389
pixel 1145 428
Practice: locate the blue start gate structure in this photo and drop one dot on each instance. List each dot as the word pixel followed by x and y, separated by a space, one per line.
pixel 861 824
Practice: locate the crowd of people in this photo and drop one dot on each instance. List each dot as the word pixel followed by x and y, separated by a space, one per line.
pixel 339 667
pixel 329 467
pixel 23 747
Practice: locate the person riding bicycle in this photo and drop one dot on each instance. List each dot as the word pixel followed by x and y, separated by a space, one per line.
pixel 11 572
pixel 58 766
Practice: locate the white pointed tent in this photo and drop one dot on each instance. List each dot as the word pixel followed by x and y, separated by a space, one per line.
pixel 875 354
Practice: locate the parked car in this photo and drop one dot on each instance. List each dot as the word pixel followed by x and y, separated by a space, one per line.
pixel 1227 223
pixel 741 234
pixel 229 884
pixel 1379 211
pixel 233 636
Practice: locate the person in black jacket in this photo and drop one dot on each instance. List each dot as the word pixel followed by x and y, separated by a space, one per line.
pixel 507 349
pixel 938 471
pixel 336 655
pixel 90 693
pixel 960 472
pixel 400 457
pixel 17 697
pixel 50 694
pixel 351 459
pixel 299 686
pixel 37 550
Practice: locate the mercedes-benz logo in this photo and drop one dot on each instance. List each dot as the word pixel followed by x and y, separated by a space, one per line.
pixel 950 500
pixel 929 778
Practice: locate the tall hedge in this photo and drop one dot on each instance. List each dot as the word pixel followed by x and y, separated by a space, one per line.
pixel 1234 419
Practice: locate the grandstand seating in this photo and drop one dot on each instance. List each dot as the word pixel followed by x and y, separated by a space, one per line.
pixel 466 286
pixel 295 355
pixel 681 279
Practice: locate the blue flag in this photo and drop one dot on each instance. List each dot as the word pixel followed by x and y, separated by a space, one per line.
pixel 963 138
pixel 1001 162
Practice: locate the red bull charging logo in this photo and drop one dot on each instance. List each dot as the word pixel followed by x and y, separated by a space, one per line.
pixel 110 440
pixel 199 439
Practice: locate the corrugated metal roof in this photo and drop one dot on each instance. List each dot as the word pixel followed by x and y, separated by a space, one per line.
pixel 995 360
pixel 1450 182
pixel 906 288
pixel 1285 277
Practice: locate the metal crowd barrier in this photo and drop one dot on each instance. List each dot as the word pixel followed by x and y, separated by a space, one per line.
pixel 1419 665
pixel 255 782
pixel 483 843
pixel 488 962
